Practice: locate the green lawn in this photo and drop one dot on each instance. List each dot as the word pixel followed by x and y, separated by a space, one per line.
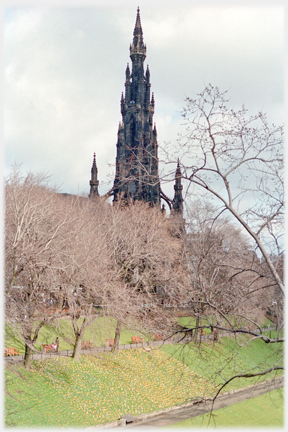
pixel 101 388
pixel 266 410
pixel 229 358
pixel 98 389
pixel 101 329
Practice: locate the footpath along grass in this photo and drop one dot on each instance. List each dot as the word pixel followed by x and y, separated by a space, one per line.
pixel 102 328
pixel 98 389
pixel 266 410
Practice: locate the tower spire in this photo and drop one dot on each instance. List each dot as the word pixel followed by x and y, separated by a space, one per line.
pixel 94 180
pixel 138 28
pixel 138 46
pixel 177 203
pixel 137 175
pixel 178 199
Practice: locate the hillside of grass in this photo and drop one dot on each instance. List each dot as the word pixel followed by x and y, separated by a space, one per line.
pixel 217 362
pixel 98 389
pixel 101 388
pixel 266 410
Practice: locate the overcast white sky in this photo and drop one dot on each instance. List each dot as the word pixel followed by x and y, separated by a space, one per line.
pixel 65 71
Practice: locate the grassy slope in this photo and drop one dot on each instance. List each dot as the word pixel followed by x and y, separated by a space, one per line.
pixel 102 388
pixel 98 389
pixel 266 410
pixel 229 358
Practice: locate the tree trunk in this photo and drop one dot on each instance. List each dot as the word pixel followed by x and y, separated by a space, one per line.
pixel 60 301
pixel 31 340
pixel 216 335
pixel 117 338
pixel 79 335
pixel 27 357
pixel 197 330
pixel 77 347
pixel 216 332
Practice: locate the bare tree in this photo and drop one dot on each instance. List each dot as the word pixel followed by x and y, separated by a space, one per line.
pixel 54 253
pixel 229 292
pixel 226 275
pixel 81 271
pixel 238 159
pixel 35 222
pixel 145 261
pixel 77 253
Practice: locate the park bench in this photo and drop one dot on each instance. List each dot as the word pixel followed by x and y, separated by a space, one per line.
pixel 110 342
pixel 86 344
pixel 47 348
pixel 136 339
pixel 11 351
pixel 158 336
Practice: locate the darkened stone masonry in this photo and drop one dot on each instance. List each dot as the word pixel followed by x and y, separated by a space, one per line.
pixel 137 175
pixel 137 150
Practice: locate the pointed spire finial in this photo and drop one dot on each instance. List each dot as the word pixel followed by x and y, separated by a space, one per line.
pixel 178 174
pixel 138 46
pixel 155 130
pixel 127 73
pixel 94 166
pixel 138 28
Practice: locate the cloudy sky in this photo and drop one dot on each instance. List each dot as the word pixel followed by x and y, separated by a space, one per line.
pixel 65 71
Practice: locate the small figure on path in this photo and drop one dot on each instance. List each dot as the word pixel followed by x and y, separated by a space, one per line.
pixel 53 346
pixel 57 344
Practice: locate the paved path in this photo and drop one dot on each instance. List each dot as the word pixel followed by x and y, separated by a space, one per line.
pixel 179 414
pixel 68 353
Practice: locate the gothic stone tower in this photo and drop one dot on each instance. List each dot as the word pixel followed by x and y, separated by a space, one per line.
pixel 94 179
pixel 137 175
pixel 178 199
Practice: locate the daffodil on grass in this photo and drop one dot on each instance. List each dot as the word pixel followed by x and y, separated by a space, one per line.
pixel 61 392
pixel 99 389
